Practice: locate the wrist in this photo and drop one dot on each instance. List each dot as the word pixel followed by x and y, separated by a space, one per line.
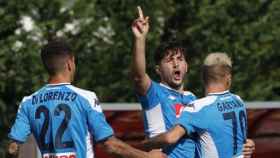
pixel 140 39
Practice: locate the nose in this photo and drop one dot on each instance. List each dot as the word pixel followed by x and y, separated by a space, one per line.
pixel 175 63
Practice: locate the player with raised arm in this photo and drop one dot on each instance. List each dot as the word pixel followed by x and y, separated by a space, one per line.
pixel 163 102
pixel 219 119
pixel 66 121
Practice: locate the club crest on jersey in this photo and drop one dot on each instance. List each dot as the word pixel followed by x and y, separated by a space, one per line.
pixel 178 109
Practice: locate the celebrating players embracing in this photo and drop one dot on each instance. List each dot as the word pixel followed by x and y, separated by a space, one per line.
pixel 163 102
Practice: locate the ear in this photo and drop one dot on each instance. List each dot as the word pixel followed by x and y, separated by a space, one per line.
pixel 157 68
pixel 70 63
pixel 228 79
pixel 187 67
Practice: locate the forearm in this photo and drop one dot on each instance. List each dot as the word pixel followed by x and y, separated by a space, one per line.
pixel 116 147
pixel 141 79
pixel 139 59
pixel 156 142
pixel 164 139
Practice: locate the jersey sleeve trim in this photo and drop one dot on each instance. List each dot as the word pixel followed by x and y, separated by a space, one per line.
pixel 102 139
pixel 15 139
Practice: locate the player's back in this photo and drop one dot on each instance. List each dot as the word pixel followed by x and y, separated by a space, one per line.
pixel 230 129
pixel 220 120
pixel 64 120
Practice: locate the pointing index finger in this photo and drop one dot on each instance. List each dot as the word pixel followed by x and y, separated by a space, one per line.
pixel 140 12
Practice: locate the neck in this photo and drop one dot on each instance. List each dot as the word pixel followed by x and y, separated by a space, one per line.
pixel 215 88
pixel 179 88
pixel 59 78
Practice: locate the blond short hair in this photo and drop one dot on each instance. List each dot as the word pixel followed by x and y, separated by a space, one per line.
pixel 216 67
pixel 217 59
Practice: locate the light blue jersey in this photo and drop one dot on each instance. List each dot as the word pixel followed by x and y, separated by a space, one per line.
pixel 65 120
pixel 220 120
pixel 162 106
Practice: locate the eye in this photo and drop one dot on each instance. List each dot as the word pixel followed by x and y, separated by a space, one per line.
pixel 180 58
pixel 167 60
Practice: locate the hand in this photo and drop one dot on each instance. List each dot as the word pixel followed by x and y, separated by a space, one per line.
pixel 156 154
pixel 13 150
pixel 140 26
pixel 248 148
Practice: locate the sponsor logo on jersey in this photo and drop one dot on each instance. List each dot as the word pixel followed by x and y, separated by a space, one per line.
pixel 171 97
pixel 60 155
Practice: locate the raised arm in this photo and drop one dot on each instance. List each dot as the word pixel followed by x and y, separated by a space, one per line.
pixel 118 148
pixel 140 28
pixel 164 139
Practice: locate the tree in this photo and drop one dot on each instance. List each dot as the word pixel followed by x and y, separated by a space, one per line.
pixel 100 34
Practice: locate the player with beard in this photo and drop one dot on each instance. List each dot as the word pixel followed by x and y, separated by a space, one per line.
pixel 163 102
pixel 219 119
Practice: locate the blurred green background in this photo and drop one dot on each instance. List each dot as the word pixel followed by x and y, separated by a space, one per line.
pixel 100 34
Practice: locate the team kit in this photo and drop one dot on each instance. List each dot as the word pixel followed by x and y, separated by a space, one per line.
pixel 67 121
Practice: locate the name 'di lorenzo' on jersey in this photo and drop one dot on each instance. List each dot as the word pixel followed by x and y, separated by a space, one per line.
pixel 56 95
pixel 229 105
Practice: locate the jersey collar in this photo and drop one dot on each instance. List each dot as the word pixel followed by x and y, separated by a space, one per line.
pixel 59 84
pixel 219 93
pixel 166 86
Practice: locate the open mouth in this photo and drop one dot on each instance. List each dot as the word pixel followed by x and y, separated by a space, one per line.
pixel 177 74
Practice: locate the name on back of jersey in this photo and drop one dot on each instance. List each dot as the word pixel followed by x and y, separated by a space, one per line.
pixel 56 95
pixel 228 105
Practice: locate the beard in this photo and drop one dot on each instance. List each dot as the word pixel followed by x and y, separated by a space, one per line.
pixel 176 86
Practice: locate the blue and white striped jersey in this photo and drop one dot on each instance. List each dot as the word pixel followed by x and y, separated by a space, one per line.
pixel 162 106
pixel 65 120
pixel 220 120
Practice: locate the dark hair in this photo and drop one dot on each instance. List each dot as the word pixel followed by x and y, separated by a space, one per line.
pixel 165 48
pixel 54 55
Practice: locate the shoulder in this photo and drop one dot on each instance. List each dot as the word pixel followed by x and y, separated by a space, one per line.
pixel 89 96
pixel 238 97
pixel 82 92
pixel 200 104
pixel 189 94
pixel 26 101
pixel 239 100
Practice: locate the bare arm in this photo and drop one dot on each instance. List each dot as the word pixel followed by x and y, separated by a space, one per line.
pixel 118 148
pixel 164 139
pixel 140 28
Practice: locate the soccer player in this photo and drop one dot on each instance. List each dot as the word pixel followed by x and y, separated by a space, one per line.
pixel 66 121
pixel 163 102
pixel 219 119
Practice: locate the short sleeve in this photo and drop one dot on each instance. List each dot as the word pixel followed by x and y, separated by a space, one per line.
pixel 98 125
pixel 151 99
pixel 21 128
pixel 194 121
